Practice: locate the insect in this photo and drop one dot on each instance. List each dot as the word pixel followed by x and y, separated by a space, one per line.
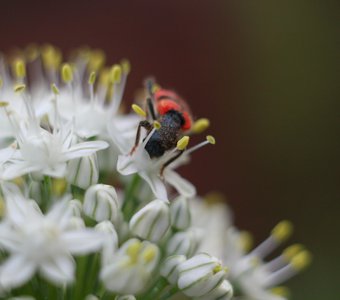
pixel 172 113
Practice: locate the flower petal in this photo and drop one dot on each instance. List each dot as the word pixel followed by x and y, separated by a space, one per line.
pixel 83 241
pixel 183 186
pixel 6 154
pixel 60 213
pixel 126 165
pixel 8 240
pixel 17 169
pixel 16 271
pixel 156 184
pixel 122 131
pixel 18 208
pixel 84 149
pixel 59 270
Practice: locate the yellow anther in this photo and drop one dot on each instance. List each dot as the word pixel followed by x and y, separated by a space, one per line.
pixel 138 110
pixel 183 142
pixel 292 250
pixel 31 52
pixel 92 78
pixel 1 82
pixel 19 181
pixel 281 291
pixel 126 66
pixel 51 57
pixel 155 87
pixel 282 231
pixel 54 89
pixel 3 103
pixel 18 88
pixel 217 269
pixel 66 73
pixel 200 125
pixel 214 198
pixel 149 254
pixel 133 250
pixel 157 125
pixel 19 68
pixel 59 186
pixel 211 139
pixel 301 260
pixel 246 241
pixel 104 77
pixel 116 74
pixel 96 60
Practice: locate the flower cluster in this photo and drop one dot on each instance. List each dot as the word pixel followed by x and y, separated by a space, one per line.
pixel 91 206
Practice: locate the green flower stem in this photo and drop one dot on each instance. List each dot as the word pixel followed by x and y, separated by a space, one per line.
pixel 46 187
pixel 77 192
pixel 91 280
pixel 130 201
pixel 80 277
pixel 156 289
pixel 174 290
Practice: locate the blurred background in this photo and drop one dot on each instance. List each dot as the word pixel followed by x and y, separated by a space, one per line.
pixel 265 73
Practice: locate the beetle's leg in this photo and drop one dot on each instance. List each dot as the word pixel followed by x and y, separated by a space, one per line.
pixel 171 160
pixel 145 124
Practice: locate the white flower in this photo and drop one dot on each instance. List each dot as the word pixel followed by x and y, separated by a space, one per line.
pixel 150 170
pixel 152 221
pixel 101 202
pixel 180 213
pixel 46 153
pixel 200 275
pixel 37 242
pixel 131 268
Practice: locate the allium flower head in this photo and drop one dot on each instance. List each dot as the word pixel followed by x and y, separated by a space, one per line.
pixel 91 204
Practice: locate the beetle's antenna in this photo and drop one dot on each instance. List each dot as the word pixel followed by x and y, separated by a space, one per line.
pixel 151 108
pixel 149 84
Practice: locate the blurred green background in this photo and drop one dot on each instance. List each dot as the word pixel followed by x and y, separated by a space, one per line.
pixel 266 74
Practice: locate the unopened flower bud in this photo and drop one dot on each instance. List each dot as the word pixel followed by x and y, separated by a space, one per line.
pixel 180 213
pixel 184 243
pixel 169 268
pixel 101 202
pixel 83 171
pixel 200 275
pixel 152 221
pixel 222 292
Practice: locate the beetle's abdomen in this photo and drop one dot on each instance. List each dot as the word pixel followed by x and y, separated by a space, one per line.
pixel 154 146
pixel 167 136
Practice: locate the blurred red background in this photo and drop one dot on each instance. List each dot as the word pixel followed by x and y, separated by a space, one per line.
pixel 264 72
